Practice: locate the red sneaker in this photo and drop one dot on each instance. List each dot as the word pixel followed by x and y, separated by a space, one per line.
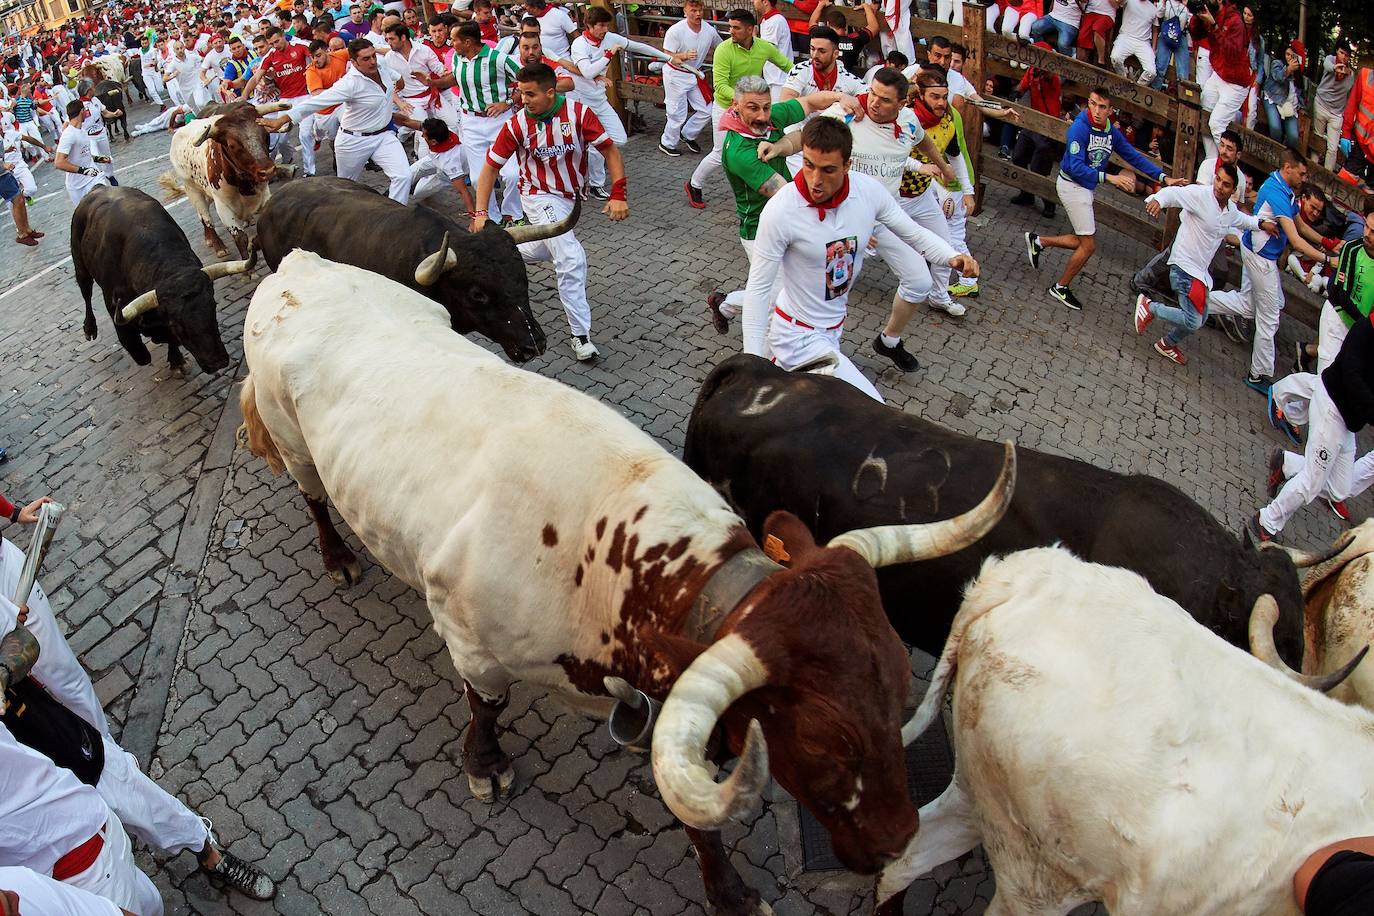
pixel 1275 479
pixel 1170 353
pixel 1338 508
pixel 1142 313
pixel 694 196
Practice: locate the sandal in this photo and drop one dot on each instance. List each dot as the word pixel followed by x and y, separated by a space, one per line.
pixel 35 234
pixel 26 240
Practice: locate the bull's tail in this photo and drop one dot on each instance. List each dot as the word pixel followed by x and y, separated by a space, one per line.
pixel 172 185
pixel 254 433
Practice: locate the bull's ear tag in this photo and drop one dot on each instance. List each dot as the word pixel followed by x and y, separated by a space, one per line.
pixel 774 550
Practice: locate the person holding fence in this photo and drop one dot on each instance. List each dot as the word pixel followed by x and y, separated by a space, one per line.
pixel 1231 76
pixel 1333 92
pixel 1135 40
pixel 1208 215
pixel 1091 140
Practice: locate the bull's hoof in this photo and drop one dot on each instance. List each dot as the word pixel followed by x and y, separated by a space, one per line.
pixel 241 243
pixel 221 252
pixel 90 329
pixel 491 788
pixel 284 172
pixel 344 569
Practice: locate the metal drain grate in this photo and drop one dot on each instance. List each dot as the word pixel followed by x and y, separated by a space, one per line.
pixel 929 768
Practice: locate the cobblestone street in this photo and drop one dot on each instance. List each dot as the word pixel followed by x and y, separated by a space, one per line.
pixel 320 728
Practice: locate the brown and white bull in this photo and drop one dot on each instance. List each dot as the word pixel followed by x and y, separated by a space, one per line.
pixel 1338 614
pixel 1109 748
pixel 556 543
pixel 224 159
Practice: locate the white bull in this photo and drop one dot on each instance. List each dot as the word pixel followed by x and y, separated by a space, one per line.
pixel 1109 748
pixel 112 67
pixel 556 543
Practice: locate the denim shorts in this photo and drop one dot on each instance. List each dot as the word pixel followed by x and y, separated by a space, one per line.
pixel 9 186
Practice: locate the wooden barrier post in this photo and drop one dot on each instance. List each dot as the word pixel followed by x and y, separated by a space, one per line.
pixel 1187 125
pixel 975 19
pixel 613 75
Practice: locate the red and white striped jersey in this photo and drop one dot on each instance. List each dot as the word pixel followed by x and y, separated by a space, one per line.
pixel 552 152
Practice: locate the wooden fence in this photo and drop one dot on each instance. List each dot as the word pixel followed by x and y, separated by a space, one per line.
pixel 994 55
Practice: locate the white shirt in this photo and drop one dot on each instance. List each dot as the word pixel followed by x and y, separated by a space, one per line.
pixel 151 58
pixel 423 58
pixel 45 811
pixel 773 29
pixel 213 64
pixel 820 259
pixel 1207 174
pixel 802 80
pixel 94 122
pixel 1102 8
pixel 882 150
pixel 451 163
pixel 184 71
pixel 14 155
pixel 364 106
pixel 554 28
pixel 1202 227
pixel 1138 19
pixel 1067 12
pixel 592 58
pixel 702 42
pixel 378 41
pixel 40 895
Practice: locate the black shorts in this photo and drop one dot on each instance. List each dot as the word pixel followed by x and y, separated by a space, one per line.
pixel 1344 886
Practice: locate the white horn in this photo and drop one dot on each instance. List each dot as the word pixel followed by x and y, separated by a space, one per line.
pixel 144 303
pixel 271 107
pixel 1262 619
pixel 722 674
pixel 432 268
pixel 206 136
pixel 223 269
pixel 888 544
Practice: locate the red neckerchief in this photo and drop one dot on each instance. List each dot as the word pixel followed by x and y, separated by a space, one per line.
pixel 587 34
pixel 771 13
pixel 830 204
pixel 446 145
pixel 823 83
pixel 896 124
pixel 924 114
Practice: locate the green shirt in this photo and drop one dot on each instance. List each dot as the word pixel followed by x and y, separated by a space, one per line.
pixel 1352 288
pixel 746 174
pixel 485 80
pixel 730 62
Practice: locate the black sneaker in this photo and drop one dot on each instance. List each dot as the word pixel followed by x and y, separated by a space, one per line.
pixel 232 871
pixel 1255 533
pixel 1049 209
pixel 1066 296
pixel 1024 199
pixel 1304 362
pixel 691 146
pixel 1274 481
pixel 719 320
pixel 1259 384
pixel 898 354
pixel 1004 152
pixel 1033 249
pixel 694 195
pixel 600 193
pixel 669 150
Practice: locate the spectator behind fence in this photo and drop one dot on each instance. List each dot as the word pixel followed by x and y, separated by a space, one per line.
pixel 1040 89
pixel 1060 27
pixel 1095 31
pixel 1135 40
pixel 1226 89
pixel 1172 43
pixel 1329 105
pixel 1357 129
pixel 1282 96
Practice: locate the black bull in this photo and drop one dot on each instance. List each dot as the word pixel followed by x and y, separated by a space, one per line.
pixel 111 95
pixel 486 292
pixel 820 448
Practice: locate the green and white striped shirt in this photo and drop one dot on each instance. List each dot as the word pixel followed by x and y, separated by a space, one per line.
pixel 485 80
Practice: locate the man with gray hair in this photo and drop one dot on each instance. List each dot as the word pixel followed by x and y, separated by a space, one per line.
pixel 753 120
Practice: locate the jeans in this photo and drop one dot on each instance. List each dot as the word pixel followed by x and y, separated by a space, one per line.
pixel 1183 316
pixel 1285 130
pixel 1066 36
pixel 1180 56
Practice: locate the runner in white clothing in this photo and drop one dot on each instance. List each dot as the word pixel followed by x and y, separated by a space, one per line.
pixel 75 155
pixel 555 27
pixel 773 29
pixel 417 63
pixel 822 72
pixel 29 892
pixel 1136 38
pixel 815 231
pixel 445 165
pixel 593 52
pixel 687 96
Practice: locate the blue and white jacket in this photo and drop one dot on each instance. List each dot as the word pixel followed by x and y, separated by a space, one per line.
pixel 1087 149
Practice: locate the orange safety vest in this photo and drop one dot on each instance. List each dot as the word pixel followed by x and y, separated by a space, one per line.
pixel 1362 103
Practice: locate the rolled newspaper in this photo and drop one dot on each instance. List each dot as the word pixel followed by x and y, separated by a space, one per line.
pixel 18 648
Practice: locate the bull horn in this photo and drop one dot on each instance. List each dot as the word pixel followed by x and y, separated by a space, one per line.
pixel 888 544
pixel 272 107
pixel 144 303
pixel 206 136
pixel 726 671
pixel 537 233
pixel 229 268
pixel 1262 619
pixel 1302 559
pixel 432 267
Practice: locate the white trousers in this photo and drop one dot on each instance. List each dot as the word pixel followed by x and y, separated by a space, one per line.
pixel 425 180
pixel 900 37
pixel 1204 66
pixel 948 11
pixel 913 273
pixel 1224 100
pixel 686 108
pixel 316 127
pixel 565 251
pixel 794 345
pixel 22 175
pixel 925 211
pixel 351 153
pixel 151 814
pixel 175 94
pixel 1293 392
pixel 1327 124
pixel 1125 48
pixel 958 233
pixel 596 163
pixel 114 876
pixel 1327 465
pixel 1014 23
pixel 478 135
pixel 710 163
pixel 31 129
pixel 152 81
pixel 1260 297
pixel 78 186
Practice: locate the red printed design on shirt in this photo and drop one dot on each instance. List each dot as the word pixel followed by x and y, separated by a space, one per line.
pixel 552 153
pixel 288 68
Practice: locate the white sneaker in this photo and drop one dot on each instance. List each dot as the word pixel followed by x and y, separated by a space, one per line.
pixel 956 309
pixel 584 349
